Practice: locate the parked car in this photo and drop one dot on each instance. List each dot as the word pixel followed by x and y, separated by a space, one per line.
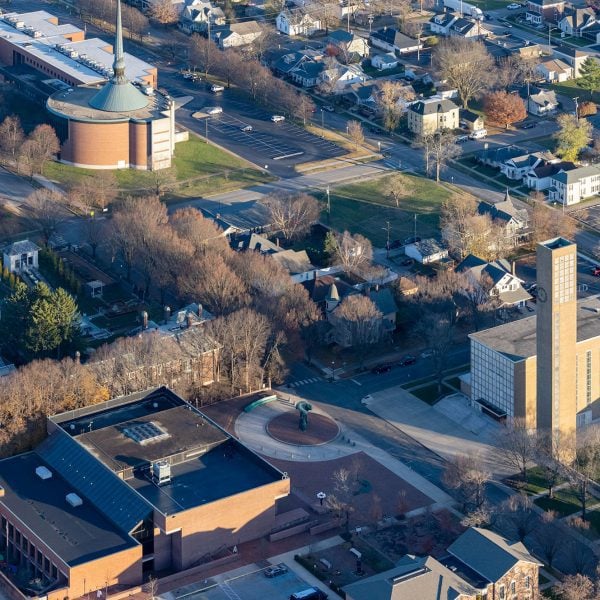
pixel 329 108
pixel 488 16
pixel 214 88
pixel 407 262
pixel 213 110
pixel 277 118
pixel 529 308
pixel 275 571
pixel 246 128
pixel 407 360
pixel 514 6
pixel 191 76
pixel 395 244
pixel 379 369
pixel 427 353
pixel 527 125
pixel 596 271
pixel 461 139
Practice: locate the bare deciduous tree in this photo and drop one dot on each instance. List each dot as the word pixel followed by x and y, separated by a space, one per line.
pixel 163 12
pixel 292 214
pixel 466 65
pixel 439 148
pixel 390 101
pixel 353 252
pixel 48 211
pixel 357 322
pixel 11 137
pixel 517 446
pixel 356 133
pixel 468 477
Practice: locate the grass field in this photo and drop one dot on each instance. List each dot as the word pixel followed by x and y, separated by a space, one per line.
pixel 571 89
pixel 564 502
pixel 364 208
pixel 201 169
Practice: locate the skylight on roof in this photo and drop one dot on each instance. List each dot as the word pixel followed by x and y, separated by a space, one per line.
pixel 145 433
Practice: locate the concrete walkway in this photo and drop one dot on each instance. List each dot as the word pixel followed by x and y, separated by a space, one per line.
pixel 434 429
pixel 250 428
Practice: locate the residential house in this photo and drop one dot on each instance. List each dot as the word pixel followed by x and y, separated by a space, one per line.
pixel 440 24
pixel 339 77
pixel 295 262
pixel 384 62
pixel 426 251
pixel 364 94
pixel 251 241
pixel 429 116
pixel 239 34
pixel 502 48
pixel 282 63
pixel 501 283
pixel 576 20
pixel 348 44
pixel 328 291
pixel 540 11
pixel 196 16
pixel 386 305
pixel 571 187
pixel 540 178
pixel 573 57
pixel 307 73
pixel 479 564
pixel 472 121
pixel 543 103
pixel 554 70
pixel 517 167
pixel 514 221
pixel 495 156
pixel 465 27
pixel 20 256
pixel 392 40
pixel 297 22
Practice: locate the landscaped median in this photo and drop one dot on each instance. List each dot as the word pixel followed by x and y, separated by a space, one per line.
pixel 199 169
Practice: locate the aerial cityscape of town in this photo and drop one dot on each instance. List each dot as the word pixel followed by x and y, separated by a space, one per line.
pixel 299 299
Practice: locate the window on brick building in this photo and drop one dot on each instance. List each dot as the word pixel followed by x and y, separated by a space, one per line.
pixel 502 593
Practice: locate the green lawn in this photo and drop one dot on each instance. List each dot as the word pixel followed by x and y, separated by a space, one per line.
pixel 363 208
pixel 571 88
pixel 536 482
pixel 201 169
pixel 429 393
pixel 564 502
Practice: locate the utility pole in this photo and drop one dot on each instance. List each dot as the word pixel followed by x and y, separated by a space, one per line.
pixel 370 19
pixel 328 203
pixel 387 246
pixel 206 128
pixel 576 99
pixel 415 230
pixel 550 28
pixel 348 14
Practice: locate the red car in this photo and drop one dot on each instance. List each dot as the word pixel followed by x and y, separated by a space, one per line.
pixel 596 271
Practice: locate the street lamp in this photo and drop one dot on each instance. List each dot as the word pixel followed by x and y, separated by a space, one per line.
pixel 379 145
pixel 333 370
pixel 322 121
pixel 320 497
pixel 328 202
pixel 452 179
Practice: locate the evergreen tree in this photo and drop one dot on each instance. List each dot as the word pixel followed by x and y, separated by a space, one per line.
pixel 589 75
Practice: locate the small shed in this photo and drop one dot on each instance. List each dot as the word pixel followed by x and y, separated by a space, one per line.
pixel 19 256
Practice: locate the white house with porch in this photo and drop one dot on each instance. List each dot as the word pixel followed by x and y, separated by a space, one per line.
pixel 20 256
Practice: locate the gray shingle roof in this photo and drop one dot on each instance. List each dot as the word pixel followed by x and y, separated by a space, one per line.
pixel 21 247
pixel 576 175
pixel 430 107
pixel 488 553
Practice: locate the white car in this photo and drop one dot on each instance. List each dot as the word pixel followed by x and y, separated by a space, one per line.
pixel 214 88
pixel 246 128
pixel 514 6
pixel 478 134
pixel 213 110
pixel 277 118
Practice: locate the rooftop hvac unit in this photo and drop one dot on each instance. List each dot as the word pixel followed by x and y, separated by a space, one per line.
pixel 73 54
pixel 11 19
pixel 20 24
pixel 43 472
pixel 161 472
pixel 73 499
pixel 83 57
pixel 37 34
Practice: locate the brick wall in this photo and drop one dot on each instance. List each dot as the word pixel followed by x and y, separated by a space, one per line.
pixel 517 576
pixel 96 144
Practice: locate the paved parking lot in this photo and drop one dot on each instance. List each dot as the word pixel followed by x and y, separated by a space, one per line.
pixel 279 146
pixel 252 586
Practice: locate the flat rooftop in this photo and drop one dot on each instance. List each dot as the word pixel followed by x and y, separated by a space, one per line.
pixel 224 471
pixel 77 534
pixel 74 103
pixel 517 340
pixel 48 36
pixel 207 464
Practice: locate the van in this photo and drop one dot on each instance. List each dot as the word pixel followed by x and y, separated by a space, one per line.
pixel 309 594
pixel 479 134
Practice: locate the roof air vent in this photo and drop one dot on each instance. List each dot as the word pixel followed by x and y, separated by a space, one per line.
pixel 73 499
